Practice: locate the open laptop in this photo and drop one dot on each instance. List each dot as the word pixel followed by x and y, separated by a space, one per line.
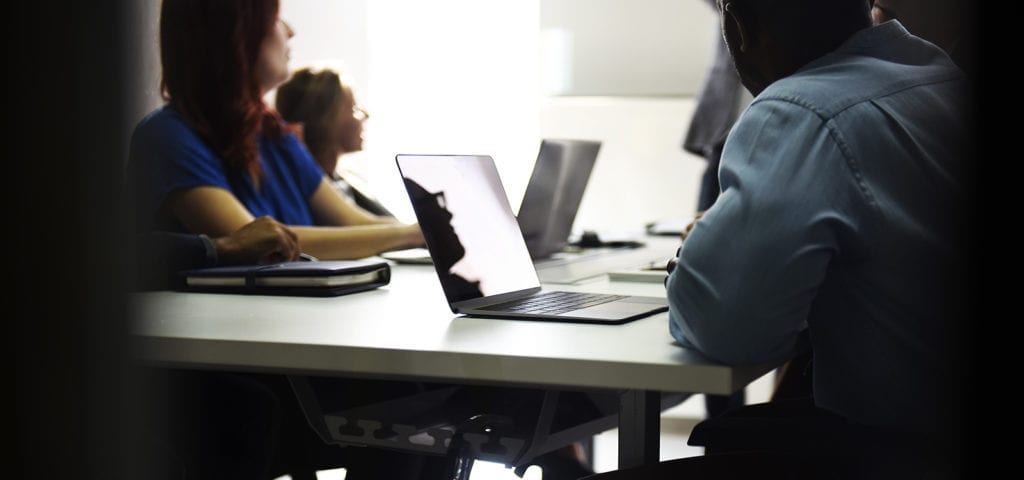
pixel 551 200
pixel 554 193
pixel 479 252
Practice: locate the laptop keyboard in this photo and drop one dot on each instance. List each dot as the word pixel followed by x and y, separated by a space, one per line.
pixel 553 303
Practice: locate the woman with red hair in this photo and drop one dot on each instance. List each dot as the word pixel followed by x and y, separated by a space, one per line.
pixel 216 156
pixel 208 162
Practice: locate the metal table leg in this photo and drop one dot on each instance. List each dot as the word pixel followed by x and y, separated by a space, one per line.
pixel 639 428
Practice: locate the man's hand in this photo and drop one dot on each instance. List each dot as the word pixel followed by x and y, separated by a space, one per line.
pixel 672 261
pixel 263 240
pixel 689 226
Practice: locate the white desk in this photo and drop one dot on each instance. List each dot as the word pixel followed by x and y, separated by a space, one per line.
pixel 406 331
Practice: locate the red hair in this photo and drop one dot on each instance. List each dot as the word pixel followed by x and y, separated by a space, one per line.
pixel 208 51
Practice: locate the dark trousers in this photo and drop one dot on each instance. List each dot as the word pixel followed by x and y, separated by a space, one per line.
pixel 792 439
pixel 800 440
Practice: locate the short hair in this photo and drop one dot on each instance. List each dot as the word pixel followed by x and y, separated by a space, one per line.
pixel 764 5
pixel 818 17
pixel 312 98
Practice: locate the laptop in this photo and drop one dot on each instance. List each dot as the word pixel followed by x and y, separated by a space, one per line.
pixel 549 206
pixel 554 193
pixel 479 253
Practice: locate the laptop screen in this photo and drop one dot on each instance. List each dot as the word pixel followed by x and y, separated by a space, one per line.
pixel 470 230
pixel 554 193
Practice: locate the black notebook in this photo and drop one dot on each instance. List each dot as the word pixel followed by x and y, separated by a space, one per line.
pixel 320 278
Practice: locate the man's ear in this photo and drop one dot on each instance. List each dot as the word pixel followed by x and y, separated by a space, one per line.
pixel 737 27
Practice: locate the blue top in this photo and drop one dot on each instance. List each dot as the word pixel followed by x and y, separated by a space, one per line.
pixel 836 218
pixel 167 154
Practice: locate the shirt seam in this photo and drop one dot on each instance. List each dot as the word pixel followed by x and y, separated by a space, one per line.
pixel 851 163
pixel 882 93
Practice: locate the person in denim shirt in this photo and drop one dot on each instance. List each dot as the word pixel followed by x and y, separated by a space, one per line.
pixel 844 188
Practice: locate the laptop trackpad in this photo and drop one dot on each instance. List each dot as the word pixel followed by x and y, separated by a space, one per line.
pixel 621 308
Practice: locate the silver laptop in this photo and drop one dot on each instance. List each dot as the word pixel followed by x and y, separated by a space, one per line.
pixel 554 193
pixel 549 206
pixel 479 252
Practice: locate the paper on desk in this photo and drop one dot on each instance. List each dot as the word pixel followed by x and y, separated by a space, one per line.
pixel 638 275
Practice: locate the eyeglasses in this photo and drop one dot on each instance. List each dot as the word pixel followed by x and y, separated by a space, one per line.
pixel 359 113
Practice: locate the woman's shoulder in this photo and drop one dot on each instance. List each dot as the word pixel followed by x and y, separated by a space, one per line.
pixel 290 136
pixel 292 143
pixel 165 134
pixel 164 123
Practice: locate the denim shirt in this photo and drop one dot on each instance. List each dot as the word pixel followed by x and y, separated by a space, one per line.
pixel 836 222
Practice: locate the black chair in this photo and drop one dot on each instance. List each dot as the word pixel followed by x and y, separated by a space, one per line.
pixel 793 439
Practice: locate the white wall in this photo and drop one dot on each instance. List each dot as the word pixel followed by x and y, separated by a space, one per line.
pixel 330 33
pixel 627 47
pixel 444 76
pixel 641 174
pixel 453 76
pixel 144 77
pixel 603 47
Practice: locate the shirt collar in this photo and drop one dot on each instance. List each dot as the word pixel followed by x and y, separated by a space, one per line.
pixel 865 41
pixel 869 38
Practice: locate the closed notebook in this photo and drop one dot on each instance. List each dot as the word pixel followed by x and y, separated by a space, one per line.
pixel 319 278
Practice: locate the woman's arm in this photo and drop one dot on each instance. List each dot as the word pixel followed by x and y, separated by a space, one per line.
pixel 209 210
pixel 216 212
pixel 340 243
pixel 331 208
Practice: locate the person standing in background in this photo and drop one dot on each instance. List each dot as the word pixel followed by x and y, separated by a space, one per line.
pixel 719 103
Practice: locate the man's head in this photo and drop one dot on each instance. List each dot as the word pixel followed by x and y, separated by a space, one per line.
pixel 949 24
pixel 772 39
